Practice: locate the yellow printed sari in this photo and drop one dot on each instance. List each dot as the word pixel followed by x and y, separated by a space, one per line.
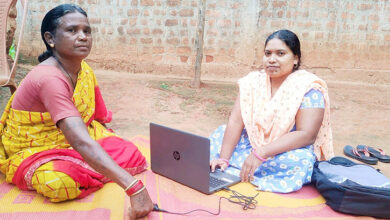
pixel 29 140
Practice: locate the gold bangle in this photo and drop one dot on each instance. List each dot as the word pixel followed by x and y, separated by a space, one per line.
pixel 138 191
pixel 131 184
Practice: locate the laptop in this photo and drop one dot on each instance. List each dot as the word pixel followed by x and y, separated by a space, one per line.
pixel 185 158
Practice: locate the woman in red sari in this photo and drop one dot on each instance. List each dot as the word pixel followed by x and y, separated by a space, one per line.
pixel 53 138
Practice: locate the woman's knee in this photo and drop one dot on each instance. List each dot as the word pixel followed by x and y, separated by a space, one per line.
pixel 55 185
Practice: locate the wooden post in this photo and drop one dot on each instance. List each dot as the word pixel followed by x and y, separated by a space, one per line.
pixel 199 43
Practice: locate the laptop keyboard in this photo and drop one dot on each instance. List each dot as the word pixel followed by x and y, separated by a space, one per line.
pixel 215 182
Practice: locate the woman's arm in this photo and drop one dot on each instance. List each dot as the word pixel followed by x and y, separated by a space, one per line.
pixel 231 136
pixel 77 135
pixel 308 122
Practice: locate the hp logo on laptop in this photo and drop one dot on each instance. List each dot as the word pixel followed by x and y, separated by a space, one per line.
pixel 176 155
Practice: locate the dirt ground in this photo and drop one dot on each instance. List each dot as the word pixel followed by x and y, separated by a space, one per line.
pixel 360 112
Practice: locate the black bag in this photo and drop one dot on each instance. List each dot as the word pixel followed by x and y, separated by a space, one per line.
pixel 353 188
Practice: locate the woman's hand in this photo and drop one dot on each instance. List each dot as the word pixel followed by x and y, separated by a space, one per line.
pixel 249 167
pixel 141 205
pixel 218 163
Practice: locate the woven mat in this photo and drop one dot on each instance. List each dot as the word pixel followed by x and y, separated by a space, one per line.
pixel 110 202
pixel 307 203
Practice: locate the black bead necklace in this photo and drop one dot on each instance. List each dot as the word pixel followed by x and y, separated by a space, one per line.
pixel 62 67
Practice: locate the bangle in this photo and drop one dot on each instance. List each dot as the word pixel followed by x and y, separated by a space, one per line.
pixel 130 185
pixel 258 156
pixel 136 188
pixel 225 160
pixel 138 191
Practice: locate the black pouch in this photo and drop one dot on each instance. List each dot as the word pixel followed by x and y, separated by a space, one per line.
pixel 353 188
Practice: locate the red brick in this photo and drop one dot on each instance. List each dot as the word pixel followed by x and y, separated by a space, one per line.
pixel 373 17
pixel 211 33
pixel 194 4
pixel 193 22
pixel 157 31
pixel 144 22
pixel 280 14
pixel 158 50
pixel 185 41
pixel 186 13
pixel 146 40
pixel 212 13
pixel 292 3
pixel 184 50
pixel 387 37
pixel 184 22
pixel 184 59
pixel 277 24
pixel 211 5
pixel 132 21
pixel 236 5
pixel 132 12
pixel 173 3
pixel 362 27
pixel 95 20
pixel 209 59
pixel 225 23
pixel 42 8
pixel 110 30
pixel 134 2
pixel 124 21
pixel 373 37
pixel 103 30
pixel 364 7
pixel 173 41
pixel 374 26
pixel 147 2
pixel 133 40
pixel 146 31
pixel 279 4
pixel 171 22
pixel 265 13
pixel 349 6
pixel 173 13
pixel 133 31
pixel 123 3
pixel 146 13
pixel 331 25
pixel 209 50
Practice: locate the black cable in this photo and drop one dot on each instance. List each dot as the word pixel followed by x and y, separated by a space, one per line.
pixel 156 208
pixel 247 202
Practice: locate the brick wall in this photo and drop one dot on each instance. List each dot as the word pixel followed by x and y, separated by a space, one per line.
pixel 158 36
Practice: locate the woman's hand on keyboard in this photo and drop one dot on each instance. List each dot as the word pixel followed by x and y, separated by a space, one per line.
pixel 221 163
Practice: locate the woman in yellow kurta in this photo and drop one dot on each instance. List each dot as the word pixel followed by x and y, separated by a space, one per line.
pixel 53 138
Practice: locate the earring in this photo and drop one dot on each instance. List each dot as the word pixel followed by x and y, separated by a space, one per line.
pixel 51 45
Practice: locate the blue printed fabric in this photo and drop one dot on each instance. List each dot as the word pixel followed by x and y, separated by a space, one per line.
pixel 283 173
